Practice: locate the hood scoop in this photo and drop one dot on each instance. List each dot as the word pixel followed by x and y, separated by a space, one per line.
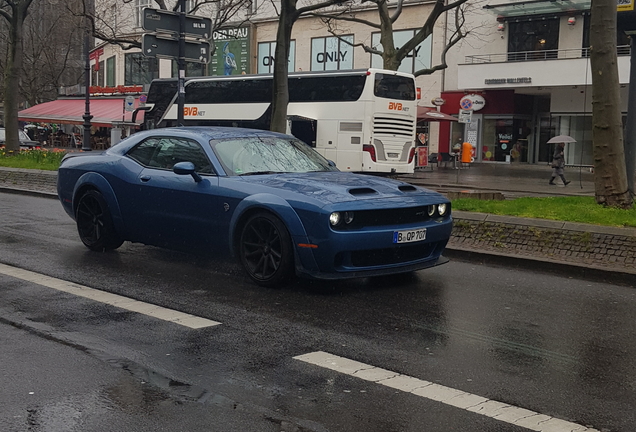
pixel 362 191
pixel 407 188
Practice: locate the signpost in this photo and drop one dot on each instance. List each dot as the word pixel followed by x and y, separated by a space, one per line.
pixel 168 39
pixel 158 46
pixel 163 21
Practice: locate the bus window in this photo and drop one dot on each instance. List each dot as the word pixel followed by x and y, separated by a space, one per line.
pixel 394 87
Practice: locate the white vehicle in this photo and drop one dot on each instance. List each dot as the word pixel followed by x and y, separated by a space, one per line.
pixel 363 120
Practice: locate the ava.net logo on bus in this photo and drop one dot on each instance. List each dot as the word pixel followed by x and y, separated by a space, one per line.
pixel 192 112
pixel 396 106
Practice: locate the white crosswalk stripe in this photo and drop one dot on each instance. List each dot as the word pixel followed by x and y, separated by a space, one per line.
pixel 121 302
pixel 497 410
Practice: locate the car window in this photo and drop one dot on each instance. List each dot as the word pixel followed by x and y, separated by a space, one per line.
pixel 164 152
pixel 251 155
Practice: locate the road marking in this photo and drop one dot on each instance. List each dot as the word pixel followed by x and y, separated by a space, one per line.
pixel 121 302
pixel 446 395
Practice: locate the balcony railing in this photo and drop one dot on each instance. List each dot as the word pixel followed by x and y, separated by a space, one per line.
pixel 572 53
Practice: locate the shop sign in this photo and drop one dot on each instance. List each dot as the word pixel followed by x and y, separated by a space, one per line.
pixel 438 101
pixel 114 90
pixel 624 5
pixel 422 156
pixel 472 102
pixel 521 80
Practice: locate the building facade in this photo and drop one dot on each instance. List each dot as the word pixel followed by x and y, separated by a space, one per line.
pixel 525 63
pixel 534 78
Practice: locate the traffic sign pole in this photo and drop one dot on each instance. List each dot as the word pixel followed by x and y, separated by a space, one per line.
pixel 181 96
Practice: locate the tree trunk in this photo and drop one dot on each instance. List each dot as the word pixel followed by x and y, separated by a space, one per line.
pixel 280 91
pixel 12 79
pixel 610 177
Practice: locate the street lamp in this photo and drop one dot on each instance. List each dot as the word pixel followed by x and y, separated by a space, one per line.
pixel 86 141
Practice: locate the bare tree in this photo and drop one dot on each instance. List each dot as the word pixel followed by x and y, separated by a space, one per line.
pixel 391 56
pixel 52 51
pixel 610 176
pixel 14 12
pixel 289 14
pixel 107 28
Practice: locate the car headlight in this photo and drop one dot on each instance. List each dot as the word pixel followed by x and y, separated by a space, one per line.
pixel 431 210
pixel 348 217
pixel 334 218
pixel 441 209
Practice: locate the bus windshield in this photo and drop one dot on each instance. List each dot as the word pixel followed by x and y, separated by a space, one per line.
pixel 267 155
pixel 394 87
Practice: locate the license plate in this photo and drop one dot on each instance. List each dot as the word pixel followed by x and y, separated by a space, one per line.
pixel 393 155
pixel 409 236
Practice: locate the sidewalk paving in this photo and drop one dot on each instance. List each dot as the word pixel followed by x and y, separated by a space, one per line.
pixel 582 248
pixel 512 180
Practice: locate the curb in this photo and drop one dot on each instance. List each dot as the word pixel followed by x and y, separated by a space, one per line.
pixel 541 265
pixel 18 191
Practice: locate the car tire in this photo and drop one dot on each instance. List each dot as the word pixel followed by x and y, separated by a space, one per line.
pixel 95 223
pixel 265 250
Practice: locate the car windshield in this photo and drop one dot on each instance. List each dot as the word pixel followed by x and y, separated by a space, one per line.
pixel 267 155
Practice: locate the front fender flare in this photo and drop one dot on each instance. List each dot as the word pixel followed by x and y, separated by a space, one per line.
pixel 96 181
pixel 274 204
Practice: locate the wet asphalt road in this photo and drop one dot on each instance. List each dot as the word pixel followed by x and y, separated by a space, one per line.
pixel 552 344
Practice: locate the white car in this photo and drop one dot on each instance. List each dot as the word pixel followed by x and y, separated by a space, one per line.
pixel 25 141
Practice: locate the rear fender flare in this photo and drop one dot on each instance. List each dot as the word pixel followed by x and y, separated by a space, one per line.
pixel 96 181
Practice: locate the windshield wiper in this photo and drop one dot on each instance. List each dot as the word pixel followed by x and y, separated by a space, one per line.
pixel 260 172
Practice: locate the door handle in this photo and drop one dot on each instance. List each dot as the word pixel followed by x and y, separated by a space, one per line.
pixel 144 178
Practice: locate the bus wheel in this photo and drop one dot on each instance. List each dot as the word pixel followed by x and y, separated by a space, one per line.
pixel 94 223
pixel 265 250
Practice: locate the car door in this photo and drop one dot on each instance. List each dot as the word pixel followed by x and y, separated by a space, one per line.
pixel 168 209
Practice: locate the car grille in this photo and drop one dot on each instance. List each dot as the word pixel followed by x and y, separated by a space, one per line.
pixel 388 256
pixel 388 217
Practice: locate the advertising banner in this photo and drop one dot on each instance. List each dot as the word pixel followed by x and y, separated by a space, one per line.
pixel 232 53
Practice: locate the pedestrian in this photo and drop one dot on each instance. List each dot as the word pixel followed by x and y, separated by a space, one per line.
pixel 558 164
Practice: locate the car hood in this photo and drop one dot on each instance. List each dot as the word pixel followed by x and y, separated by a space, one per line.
pixel 337 187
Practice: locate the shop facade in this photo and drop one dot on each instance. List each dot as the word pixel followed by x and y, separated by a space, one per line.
pixel 533 72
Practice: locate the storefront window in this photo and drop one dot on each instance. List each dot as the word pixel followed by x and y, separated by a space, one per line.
pixel 140 69
pixel 533 40
pixel 418 59
pixel 192 69
pixel 266 52
pixel 579 128
pixel 332 53
pixel 506 140
pixel 110 71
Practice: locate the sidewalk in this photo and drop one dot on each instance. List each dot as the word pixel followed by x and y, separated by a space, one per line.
pixel 512 180
pixel 584 250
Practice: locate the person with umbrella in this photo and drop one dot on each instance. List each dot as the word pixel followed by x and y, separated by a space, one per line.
pixel 558 159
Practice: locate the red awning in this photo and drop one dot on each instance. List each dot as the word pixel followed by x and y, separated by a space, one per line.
pixel 431 114
pixel 105 112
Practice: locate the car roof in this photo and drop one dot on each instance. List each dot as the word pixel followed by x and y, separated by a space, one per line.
pixel 212 132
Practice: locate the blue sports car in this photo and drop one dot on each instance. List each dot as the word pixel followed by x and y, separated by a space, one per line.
pixel 266 198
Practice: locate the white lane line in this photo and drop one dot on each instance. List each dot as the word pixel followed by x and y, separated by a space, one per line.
pixel 121 302
pixel 497 410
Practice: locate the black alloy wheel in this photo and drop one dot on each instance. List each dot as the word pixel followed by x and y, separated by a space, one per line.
pixel 265 250
pixel 95 224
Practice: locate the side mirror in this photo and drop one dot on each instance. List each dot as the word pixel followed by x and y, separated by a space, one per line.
pixel 186 168
pixel 331 163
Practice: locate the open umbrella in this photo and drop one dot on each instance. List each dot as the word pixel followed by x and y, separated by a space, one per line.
pixel 561 139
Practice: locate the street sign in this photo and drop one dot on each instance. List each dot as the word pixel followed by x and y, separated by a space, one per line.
pixel 163 21
pixel 129 103
pixel 195 51
pixel 465 116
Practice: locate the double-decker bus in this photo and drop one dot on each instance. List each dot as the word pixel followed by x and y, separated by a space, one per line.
pixel 363 120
